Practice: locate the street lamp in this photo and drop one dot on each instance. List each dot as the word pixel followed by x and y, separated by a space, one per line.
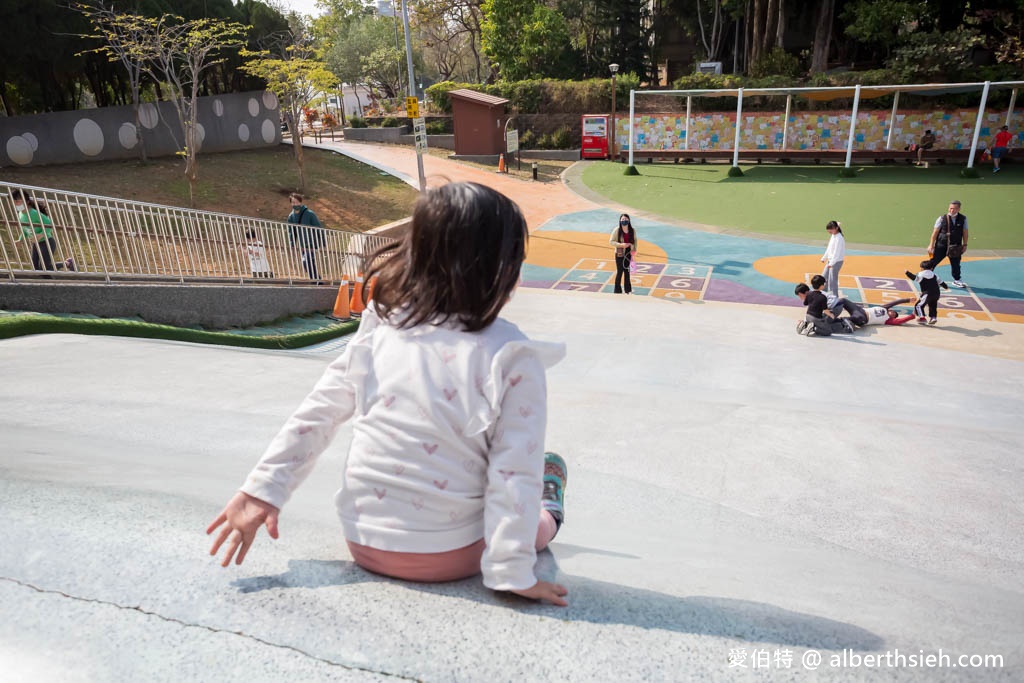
pixel 614 68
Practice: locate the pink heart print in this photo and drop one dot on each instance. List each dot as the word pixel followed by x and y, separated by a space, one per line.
pixel 453 515
pixel 449 394
pixel 417 503
pixel 305 429
pixel 532 446
pixel 389 401
pixel 447 356
pixel 518 507
pixel 441 484
pixel 507 474
pixel 430 448
pixel 525 411
pixel 515 380
pixel 399 469
pixel 380 493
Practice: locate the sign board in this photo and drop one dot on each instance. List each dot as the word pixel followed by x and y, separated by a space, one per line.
pixel 412 107
pixel 512 141
pixel 419 131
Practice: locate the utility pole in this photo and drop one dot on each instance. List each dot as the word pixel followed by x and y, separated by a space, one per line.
pixel 412 87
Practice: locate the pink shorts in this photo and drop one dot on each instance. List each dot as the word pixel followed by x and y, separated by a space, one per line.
pixel 452 565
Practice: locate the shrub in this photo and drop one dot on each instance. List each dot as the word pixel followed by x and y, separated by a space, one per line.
pixel 544 142
pixel 356 122
pixel 562 139
pixel 436 128
pixel 389 122
pixel 776 62
pixel 528 140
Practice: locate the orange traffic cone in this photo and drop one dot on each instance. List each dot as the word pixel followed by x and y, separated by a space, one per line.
pixel 356 306
pixel 341 308
pixel 501 163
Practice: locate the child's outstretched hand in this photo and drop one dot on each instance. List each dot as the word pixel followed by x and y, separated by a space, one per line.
pixel 242 517
pixel 549 592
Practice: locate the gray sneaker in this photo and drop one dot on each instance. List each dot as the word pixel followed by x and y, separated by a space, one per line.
pixel 959 283
pixel 848 324
pixel 553 496
pixel 801 326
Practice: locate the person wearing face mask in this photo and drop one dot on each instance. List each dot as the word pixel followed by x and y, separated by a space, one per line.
pixel 625 243
pixel 36 231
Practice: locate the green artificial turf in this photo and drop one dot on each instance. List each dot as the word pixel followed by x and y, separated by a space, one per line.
pixel 885 205
pixel 20 324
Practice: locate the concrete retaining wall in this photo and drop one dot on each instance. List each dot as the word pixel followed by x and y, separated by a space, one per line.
pixel 227 122
pixel 390 135
pixel 211 306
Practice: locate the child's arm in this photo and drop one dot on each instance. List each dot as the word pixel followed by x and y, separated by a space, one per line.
pixel 900 320
pixel 911 276
pixel 515 477
pixel 896 303
pixel 289 459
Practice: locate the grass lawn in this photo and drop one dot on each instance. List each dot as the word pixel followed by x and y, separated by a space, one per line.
pixel 343 193
pixel 885 205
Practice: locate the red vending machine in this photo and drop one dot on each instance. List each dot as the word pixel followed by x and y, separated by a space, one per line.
pixel 595 136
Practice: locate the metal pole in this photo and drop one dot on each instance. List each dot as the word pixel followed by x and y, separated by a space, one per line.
pixel 412 87
pixel 785 121
pixel 1013 103
pixel 612 155
pixel 853 125
pixel 977 125
pixel 736 141
pixel 892 120
pixel 632 109
pixel 686 135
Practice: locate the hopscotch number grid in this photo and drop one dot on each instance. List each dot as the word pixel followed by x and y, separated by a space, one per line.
pixel 663 280
pixel 877 291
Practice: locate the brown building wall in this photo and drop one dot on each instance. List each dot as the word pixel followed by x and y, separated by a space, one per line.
pixel 479 128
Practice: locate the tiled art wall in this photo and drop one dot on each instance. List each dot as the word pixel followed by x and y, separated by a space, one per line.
pixel 816 130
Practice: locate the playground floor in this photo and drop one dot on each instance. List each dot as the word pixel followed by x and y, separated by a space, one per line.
pixel 743 503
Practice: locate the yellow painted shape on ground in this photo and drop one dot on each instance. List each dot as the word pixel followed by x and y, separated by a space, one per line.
pixel 563 249
pixel 692 294
pixel 794 268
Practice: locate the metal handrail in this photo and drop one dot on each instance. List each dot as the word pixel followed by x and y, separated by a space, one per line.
pixel 117 239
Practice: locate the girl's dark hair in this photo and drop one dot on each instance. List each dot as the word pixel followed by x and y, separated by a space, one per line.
pixel 460 259
pixel 801 288
pixel 834 224
pixel 30 202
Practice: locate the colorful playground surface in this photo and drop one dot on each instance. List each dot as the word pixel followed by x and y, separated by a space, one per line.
pixel 571 253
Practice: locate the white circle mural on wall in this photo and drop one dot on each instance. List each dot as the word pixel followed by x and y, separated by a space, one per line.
pixel 269 131
pixel 32 141
pixel 254 107
pixel 269 100
pixel 243 133
pixel 19 150
pixel 148 115
pixel 127 136
pixel 89 137
pixel 218 108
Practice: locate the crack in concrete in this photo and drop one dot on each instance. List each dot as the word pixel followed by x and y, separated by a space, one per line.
pixel 211 629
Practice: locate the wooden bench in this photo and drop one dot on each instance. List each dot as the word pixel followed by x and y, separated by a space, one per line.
pixel 815 156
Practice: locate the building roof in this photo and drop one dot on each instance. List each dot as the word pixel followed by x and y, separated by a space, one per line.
pixel 474 96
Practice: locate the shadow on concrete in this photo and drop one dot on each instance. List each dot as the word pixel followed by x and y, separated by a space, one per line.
pixel 987 332
pixel 600 602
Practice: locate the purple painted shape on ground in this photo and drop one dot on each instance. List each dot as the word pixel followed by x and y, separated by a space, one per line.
pixel 726 290
pixel 960 303
pixel 889 284
pixel 1005 306
pixel 537 284
pixel 677 282
pixel 579 286
pixel 649 268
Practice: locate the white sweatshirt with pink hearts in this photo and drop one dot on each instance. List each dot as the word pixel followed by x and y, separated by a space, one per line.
pixel 447 444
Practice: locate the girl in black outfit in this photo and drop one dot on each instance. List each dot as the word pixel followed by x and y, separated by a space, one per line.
pixel 624 239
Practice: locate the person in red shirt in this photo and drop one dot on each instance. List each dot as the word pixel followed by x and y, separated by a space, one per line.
pixel 999 145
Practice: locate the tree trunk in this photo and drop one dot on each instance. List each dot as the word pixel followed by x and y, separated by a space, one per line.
pixel 770 17
pixel 297 146
pixel 822 37
pixel 780 26
pixel 757 29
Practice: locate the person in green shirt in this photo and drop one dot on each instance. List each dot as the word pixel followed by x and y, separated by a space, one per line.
pixel 36 231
